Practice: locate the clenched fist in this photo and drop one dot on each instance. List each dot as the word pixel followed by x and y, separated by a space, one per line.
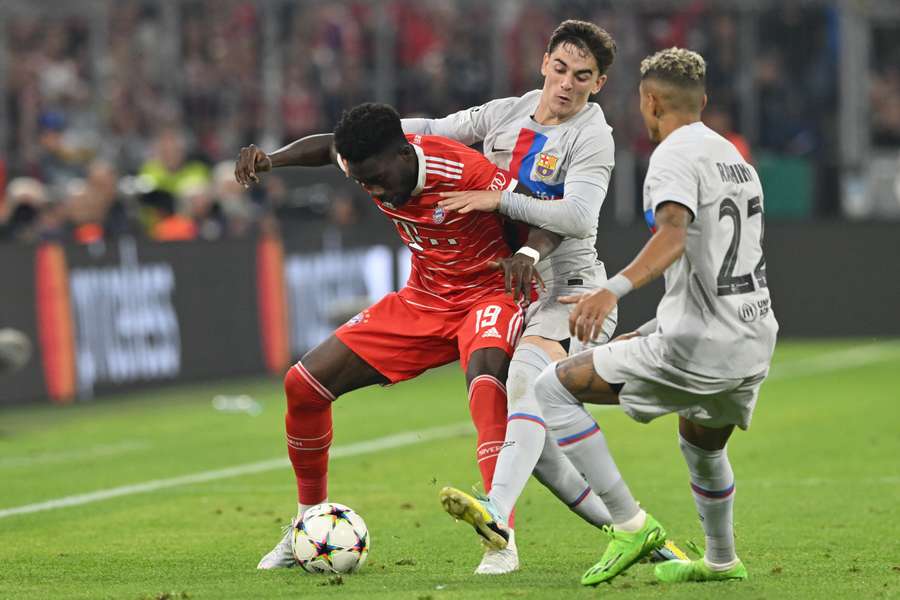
pixel 250 163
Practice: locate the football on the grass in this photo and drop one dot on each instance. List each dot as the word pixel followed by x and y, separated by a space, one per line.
pixel 331 538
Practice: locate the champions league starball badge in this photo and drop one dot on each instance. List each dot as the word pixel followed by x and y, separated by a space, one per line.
pixel 439 215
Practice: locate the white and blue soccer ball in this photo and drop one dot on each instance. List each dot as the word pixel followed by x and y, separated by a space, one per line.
pixel 331 538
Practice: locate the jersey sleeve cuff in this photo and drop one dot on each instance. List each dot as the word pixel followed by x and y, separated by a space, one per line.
pixel 663 198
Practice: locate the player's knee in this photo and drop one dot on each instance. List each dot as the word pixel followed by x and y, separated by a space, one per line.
pixel 546 387
pixel 304 393
pixel 527 363
pixel 696 456
pixel 488 361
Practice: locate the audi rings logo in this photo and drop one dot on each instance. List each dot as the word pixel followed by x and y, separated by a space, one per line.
pixel 500 181
pixel 748 312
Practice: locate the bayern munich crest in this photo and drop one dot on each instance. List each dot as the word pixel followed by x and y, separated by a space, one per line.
pixel 439 215
pixel 362 317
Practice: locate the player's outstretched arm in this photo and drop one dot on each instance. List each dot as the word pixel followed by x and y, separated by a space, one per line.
pixel 310 151
pixel 467 126
pixel 664 248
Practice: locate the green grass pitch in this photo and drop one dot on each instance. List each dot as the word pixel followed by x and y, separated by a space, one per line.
pixel 818 479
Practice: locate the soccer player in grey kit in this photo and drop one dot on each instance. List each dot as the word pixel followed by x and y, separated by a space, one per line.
pixel 558 144
pixel 707 352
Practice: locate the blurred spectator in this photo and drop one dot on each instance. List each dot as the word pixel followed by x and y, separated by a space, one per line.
pixel 171 87
pixel 96 210
pixel 165 223
pixel 232 200
pixel 58 162
pixel 719 120
pixel 30 215
pixel 84 211
pixel 343 211
pixel 885 95
pixel 168 168
pixel 200 206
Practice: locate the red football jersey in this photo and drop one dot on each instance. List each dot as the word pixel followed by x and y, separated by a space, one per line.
pixel 451 252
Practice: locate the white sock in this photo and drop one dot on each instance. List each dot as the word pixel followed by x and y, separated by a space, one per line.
pixel 634 523
pixel 712 484
pixel 581 440
pixel 302 508
pixel 561 477
pixel 527 448
pixel 717 567
pixel 525 429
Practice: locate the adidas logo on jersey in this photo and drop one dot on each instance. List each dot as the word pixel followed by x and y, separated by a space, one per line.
pixel 491 333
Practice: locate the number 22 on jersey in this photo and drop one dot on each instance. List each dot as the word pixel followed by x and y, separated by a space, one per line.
pixel 727 282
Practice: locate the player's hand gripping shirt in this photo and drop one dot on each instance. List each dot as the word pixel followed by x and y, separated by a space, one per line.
pixel 716 316
pixel 568 166
pixel 452 254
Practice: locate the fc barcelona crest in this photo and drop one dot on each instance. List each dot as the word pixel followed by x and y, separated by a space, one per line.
pixel 546 165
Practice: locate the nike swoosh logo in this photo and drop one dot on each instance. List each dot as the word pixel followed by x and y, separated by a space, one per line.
pixel 496 149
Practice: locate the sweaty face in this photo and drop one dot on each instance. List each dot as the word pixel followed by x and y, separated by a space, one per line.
pixel 389 176
pixel 570 75
pixel 648 110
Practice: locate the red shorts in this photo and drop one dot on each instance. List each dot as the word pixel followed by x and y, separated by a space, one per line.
pixel 401 340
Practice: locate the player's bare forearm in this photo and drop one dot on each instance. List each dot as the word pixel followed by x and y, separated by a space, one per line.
pixel 310 151
pixel 542 240
pixel 664 248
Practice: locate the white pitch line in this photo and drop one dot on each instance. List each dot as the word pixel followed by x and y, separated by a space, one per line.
pixel 841 359
pixel 398 440
pixel 838 360
pixel 99 451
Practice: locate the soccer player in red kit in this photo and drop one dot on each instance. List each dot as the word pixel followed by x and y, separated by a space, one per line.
pixel 454 305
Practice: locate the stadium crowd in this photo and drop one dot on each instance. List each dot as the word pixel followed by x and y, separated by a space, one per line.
pixel 132 127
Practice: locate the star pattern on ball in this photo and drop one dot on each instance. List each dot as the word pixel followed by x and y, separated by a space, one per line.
pixel 338 514
pixel 361 542
pixel 323 549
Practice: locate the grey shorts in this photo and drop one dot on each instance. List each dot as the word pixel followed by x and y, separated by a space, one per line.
pixel 548 318
pixel 653 388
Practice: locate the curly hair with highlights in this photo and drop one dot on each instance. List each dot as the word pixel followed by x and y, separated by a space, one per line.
pixel 678 66
pixel 367 130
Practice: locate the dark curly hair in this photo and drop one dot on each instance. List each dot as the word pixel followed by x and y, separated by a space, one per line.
pixel 587 37
pixel 366 130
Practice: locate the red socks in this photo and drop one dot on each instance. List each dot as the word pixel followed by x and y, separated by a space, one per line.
pixel 309 432
pixel 487 405
pixel 308 425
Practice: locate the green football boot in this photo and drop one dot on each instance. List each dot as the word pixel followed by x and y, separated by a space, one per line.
pixel 675 571
pixel 625 549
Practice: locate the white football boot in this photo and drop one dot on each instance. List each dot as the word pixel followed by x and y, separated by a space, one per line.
pixel 500 562
pixel 282 555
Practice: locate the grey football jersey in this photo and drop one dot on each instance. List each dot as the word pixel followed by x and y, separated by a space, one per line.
pixel 716 316
pixel 567 166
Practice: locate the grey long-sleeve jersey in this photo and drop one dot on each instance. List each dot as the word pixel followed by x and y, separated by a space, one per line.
pixel 567 166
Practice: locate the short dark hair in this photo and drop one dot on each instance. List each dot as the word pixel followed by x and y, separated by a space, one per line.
pixel 366 130
pixel 586 37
